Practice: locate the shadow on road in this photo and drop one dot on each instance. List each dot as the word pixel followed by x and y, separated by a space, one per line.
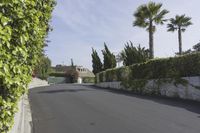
pixel 61 91
pixel 189 105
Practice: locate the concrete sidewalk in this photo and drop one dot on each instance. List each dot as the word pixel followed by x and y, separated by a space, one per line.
pixel 23 118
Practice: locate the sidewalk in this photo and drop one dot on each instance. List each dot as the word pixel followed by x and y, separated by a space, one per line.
pixel 23 118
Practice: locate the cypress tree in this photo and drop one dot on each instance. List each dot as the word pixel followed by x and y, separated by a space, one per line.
pixel 96 62
pixel 109 58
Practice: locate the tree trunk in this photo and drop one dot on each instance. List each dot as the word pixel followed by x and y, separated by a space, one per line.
pixel 180 41
pixel 151 49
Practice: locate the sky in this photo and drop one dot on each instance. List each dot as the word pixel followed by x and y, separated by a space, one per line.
pixel 79 25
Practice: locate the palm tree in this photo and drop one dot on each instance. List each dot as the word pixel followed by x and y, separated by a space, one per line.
pixel 147 16
pixel 179 23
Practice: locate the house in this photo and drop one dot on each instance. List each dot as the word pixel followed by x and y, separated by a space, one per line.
pixel 83 73
pixel 74 74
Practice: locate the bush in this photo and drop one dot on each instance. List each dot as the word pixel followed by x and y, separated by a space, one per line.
pixel 131 54
pixel 58 74
pixel 182 66
pixel 88 80
pixel 23 29
pixel 43 67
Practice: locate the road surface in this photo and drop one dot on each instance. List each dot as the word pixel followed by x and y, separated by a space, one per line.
pixel 86 109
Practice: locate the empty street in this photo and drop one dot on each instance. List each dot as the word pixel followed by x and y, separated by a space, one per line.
pixel 86 109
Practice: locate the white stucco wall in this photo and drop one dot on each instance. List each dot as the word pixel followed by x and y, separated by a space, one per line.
pixel 80 80
pixel 166 89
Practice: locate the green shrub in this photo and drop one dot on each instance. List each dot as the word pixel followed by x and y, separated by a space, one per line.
pixel 131 54
pixel 58 74
pixel 88 80
pixel 174 68
pixel 23 29
pixel 43 67
pixel 183 66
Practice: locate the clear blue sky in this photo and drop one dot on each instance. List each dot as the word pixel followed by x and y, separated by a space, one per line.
pixel 80 25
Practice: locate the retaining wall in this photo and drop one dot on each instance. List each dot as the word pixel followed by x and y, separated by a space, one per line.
pixel 191 91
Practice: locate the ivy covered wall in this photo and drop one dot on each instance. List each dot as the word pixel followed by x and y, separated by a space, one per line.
pixel 166 70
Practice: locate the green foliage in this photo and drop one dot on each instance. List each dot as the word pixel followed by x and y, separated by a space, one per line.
pixel 132 55
pixel 147 13
pixel 179 23
pixel 88 80
pixel 183 66
pixel 116 74
pixel 57 74
pixel 109 58
pixel 72 75
pixel 189 51
pixel 158 70
pixel 147 16
pixel 197 47
pixel 23 28
pixel 138 85
pixel 42 69
pixel 96 62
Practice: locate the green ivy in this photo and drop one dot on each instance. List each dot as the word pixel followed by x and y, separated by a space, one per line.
pixel 164 70
pixel 24 25
pixel 58 74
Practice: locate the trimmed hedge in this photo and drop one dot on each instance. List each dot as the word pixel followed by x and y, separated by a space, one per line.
pixel 88 80
pixel 23 29
pixel 58 74
pixel 176 67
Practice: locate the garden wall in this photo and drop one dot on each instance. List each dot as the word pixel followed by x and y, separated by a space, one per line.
pixel 172 77
pixel 166 89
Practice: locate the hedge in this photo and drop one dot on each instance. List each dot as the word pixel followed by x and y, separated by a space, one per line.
pixel 24 25
pixel 43 68
pixel 174 67
pixel 88 80
pixel 58 74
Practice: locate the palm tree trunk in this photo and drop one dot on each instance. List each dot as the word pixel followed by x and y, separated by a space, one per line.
pixel 180 41
pixel 151 40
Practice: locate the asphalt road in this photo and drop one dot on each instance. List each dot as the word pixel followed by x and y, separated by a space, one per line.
pixel 86 109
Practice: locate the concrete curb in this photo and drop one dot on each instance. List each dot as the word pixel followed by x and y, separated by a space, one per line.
pixel 23 118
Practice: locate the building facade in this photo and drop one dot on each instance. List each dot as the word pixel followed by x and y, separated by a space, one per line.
pixel 74 74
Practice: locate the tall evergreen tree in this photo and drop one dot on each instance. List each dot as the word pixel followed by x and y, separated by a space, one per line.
pixel 109 58
pixel 148 16
pixel 96 62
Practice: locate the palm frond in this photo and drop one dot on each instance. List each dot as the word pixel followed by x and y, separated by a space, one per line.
pixel 187 23
pixel 183 29
pixel 159 19
pixel 150 13
pixel 171 27
pixel 153 8
pixel 180 21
